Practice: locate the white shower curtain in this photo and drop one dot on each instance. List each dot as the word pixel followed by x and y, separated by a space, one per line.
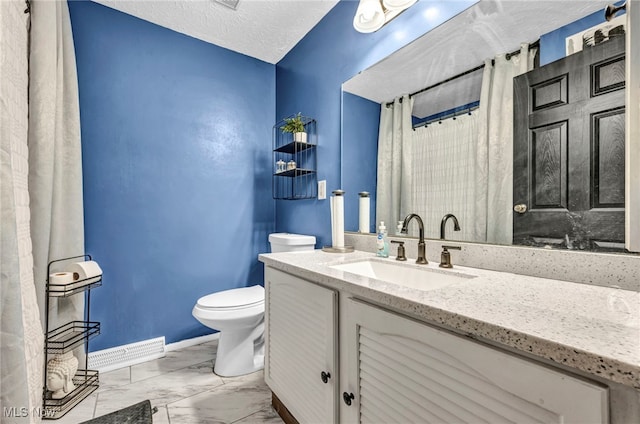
pixel 394 161
pixel 445 177
pixel 55 160
pixel 496 136
pixel 21 335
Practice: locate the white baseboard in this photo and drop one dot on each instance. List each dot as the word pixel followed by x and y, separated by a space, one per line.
pixel 191 342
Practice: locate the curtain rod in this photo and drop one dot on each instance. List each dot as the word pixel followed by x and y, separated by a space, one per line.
pixel 477 68
pixel 455 112
pixel 460 75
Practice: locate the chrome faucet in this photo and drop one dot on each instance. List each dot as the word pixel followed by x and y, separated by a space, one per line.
pixel 421 255
pixel 456 226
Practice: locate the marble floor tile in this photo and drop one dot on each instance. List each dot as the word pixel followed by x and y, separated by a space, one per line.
pixel 184 389
pixel 255 378
pixel 173 360
pixel 162 416
pixel 265 416
pixel 208 346
pixel 230 402
pixel 114 378
pixel 81 412
pixel 160 390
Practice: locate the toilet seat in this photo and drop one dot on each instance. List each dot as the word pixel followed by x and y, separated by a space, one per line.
pixel 232 300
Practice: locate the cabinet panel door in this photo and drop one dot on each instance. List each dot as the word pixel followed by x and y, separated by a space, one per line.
pixel 401 370
pixel 301 343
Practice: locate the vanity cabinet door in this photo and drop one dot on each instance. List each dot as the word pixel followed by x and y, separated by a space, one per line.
pixel 401 370
pixel 301 345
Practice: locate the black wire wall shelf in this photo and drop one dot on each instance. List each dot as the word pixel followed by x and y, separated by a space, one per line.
pixel 295 147
pixel 295 161
pixel 294 172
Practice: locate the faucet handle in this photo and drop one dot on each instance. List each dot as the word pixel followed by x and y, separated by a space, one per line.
pixel 451 247
pixel 445 256
pixel 401 254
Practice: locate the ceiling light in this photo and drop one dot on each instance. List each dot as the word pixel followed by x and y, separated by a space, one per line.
pixel 398 4
pixel 232 4
pixel 372 15
pixel 369 16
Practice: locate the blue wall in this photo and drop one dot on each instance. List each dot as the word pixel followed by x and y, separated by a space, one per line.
pixel 309 78
pixel 176 137
pixel 359 131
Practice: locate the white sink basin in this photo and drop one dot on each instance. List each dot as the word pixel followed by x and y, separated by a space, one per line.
pixel 404 274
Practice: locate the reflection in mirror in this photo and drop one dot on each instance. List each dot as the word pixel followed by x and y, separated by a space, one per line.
pixel 449 147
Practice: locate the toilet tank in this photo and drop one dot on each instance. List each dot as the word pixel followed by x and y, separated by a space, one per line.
pixel 285 242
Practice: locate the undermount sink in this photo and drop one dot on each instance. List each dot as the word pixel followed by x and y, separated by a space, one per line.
pixel 404 274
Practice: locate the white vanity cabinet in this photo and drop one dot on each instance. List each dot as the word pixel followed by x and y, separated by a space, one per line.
pixel 401 370
pixel 394 369
pixel 301 346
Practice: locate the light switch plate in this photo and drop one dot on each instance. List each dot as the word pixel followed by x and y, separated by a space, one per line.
pixel 322 190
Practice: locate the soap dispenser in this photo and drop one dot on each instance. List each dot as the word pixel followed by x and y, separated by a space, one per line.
pixel 382 243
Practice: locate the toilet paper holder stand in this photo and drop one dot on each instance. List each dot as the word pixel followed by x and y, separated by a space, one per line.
pixel 66 338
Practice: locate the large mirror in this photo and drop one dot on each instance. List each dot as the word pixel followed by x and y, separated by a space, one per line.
pixel 444 71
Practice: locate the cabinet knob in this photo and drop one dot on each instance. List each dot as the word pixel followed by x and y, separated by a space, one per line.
pixel 325 376
pixel 347 397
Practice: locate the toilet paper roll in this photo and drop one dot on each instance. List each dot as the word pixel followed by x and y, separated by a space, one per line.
pixel 338 209
pixel 87 270
pixel 365 205
pixel 61 278
pixel 59 282
pixel 333 220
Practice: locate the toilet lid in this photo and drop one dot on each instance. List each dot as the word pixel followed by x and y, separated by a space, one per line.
pixel 234 298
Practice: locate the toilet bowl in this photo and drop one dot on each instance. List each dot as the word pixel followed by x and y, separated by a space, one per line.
pixel 239 316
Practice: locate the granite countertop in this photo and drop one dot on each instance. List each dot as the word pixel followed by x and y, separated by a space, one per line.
pixel 590 328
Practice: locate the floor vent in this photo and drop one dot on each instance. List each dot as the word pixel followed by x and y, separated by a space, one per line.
pixel 127 355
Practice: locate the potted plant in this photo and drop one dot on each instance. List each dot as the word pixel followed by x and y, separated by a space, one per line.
pixel 295 126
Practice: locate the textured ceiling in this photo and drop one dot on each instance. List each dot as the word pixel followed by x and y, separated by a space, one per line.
pixel 462 43
pixel 264 29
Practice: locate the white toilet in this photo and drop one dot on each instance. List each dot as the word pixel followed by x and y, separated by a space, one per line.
pixel 239 316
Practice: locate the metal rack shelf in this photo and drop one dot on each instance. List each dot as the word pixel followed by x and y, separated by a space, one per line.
pixel 86 382
pixel 294 147
pixel 78 286
pixel 294 172
pixel 300 182
pixel 71 335
pixel 67 337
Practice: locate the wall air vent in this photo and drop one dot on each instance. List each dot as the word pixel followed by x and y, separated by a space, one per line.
pixel 127 355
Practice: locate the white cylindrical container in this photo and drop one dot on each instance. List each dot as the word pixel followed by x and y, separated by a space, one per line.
pixel 337 221
pixel 365 211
